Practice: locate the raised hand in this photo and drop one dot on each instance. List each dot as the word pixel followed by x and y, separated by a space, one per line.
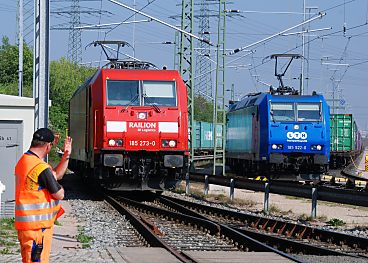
pixel 67 146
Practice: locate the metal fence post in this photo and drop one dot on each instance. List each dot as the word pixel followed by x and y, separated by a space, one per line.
pixel 206 185
pixel 187 184
pixel 232 185
pixel 266 199
pixel 2 189
pixel 314 203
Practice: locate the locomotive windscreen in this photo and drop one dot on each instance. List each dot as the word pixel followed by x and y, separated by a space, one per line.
pixel 282 111
pixel 160 93
pixel 129 92
pixel 122 92
pixel 309 112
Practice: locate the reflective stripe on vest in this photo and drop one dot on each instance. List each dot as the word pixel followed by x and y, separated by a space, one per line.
pixel 25 207
pixel 35 218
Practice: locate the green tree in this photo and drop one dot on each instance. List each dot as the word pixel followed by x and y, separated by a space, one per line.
pixel 9 68
pixel 203 109
pixel 65 78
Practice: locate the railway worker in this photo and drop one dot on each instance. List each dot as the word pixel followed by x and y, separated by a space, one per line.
pixel 38 195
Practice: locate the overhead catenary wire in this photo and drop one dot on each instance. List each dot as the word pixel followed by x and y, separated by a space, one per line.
pixel 275 35
pixel 314 39
pixel 161 22
pixel 318 37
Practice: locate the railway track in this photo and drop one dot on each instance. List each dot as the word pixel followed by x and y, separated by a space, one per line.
pixel 179 226
pixel 286 236
pixel 177 232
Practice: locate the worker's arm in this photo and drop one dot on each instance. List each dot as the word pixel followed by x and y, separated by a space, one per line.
pixel 47 180
pixel 60 169
pixel 59 195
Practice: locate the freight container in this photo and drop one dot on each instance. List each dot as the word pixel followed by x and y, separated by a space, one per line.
pixel 343 132
pixel 204 138
pixel 346 142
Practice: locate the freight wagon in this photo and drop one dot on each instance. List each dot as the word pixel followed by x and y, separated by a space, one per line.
pixel 346 140
pixel 204 139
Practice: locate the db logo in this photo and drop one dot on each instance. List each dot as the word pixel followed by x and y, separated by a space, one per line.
pixel 297 135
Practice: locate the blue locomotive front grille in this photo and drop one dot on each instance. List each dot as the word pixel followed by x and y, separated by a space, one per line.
pixel 293 137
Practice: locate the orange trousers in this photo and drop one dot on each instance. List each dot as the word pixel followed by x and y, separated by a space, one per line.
pixel 28 237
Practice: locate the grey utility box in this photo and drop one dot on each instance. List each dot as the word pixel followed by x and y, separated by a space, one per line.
pixel 16 129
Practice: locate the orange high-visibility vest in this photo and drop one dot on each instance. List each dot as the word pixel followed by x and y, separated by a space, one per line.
pixel 35 208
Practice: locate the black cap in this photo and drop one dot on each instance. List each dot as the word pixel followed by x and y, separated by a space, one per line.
pixel 44 135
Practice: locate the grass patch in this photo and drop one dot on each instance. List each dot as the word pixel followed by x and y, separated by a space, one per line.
pixel 197 192
pixel 336 222
pixel 322 218
pixel 274 209
pixel 8 236
pixel 7 223
pixel 7 243
pixel 221 198
pixel 6 251
pixel 84 239
pixel 179 191
pixel 305 217
pixel 243 202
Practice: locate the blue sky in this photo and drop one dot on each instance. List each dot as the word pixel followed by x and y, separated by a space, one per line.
pixel 333 58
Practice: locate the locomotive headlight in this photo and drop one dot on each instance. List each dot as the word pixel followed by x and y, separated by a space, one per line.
pixel 277 146
pixel 115 142
pixel 296 127
pixel 172 143
pixel 111 142
pixel 168 143
pixel 316 147
pixel 119 142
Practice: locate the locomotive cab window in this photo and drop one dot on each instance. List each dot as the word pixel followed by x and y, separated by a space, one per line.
pixel 122 92
pixel 309 112
pixel 282 111
pixel 160 93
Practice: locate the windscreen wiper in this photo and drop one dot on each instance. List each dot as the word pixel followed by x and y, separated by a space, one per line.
pixel 131 101
pixel 272 117
pixel 148 99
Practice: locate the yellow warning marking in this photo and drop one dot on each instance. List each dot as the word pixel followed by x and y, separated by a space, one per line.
pixel 260 178
pixel 326 177
pixel 360 183
pixel 366 162
pixel 341 180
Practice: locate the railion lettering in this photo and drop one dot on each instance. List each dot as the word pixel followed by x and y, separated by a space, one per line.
pixel 142 125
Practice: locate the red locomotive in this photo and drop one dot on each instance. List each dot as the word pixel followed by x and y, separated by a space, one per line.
pixel 129 126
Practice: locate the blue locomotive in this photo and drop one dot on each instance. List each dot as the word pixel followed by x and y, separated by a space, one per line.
pixel 279 133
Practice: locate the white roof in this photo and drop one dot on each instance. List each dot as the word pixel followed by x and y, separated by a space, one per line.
pixel 16 101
